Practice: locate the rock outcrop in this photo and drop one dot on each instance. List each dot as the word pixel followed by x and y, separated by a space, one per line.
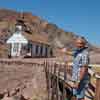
pixel 32 26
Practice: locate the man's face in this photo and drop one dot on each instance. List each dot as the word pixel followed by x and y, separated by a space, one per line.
pixel 79 43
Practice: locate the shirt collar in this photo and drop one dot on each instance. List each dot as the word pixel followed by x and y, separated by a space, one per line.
pixel 79 50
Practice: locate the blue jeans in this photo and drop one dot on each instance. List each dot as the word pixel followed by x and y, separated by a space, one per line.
pixel 80 92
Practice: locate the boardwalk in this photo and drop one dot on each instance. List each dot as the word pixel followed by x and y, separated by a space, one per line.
pixel 59 84
pixel 58 76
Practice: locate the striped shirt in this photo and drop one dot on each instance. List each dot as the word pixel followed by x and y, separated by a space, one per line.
pixel 81 58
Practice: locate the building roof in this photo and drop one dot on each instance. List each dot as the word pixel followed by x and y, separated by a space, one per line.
pixel 37 38
pixel 25 37
pixel 17 38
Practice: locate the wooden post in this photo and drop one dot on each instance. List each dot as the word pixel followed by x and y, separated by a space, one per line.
pixel 97 96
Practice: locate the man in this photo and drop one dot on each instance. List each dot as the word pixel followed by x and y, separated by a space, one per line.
pixel 80 68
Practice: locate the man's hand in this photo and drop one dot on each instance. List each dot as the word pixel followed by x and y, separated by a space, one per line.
pixel 76 85
pixel 73 84
pixel 63 50
pixel 66 51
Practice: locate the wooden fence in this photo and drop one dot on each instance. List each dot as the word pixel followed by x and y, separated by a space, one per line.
pixel 58 77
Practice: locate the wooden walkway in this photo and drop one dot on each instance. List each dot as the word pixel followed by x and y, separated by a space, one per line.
pixel 58 77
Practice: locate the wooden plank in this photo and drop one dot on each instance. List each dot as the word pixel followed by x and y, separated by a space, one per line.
pixel 97 96
pixel 68 83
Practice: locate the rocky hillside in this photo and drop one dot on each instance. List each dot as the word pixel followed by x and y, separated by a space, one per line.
pixel 33 25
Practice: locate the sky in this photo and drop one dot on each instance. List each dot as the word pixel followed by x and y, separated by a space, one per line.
pixel 79 16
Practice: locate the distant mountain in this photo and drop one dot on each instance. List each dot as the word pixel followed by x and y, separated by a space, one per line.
pixel 32 24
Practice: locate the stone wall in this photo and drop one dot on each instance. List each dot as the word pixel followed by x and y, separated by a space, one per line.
pixel 22 79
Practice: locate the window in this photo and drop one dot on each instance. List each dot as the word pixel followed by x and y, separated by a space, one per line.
pixel 16 47
pixel 41 50
pixel 37 47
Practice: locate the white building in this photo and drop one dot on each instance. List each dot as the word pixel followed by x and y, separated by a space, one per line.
pixel 16 41
pixel 35 46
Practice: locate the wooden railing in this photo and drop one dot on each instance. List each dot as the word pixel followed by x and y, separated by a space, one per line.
pixel 97 96
pixel 58 75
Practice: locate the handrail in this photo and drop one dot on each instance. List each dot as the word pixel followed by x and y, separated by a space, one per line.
pixel 91 72
pixel 52 62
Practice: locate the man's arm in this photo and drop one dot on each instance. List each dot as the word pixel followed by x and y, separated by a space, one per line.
pixel 83 71
pixel 67 52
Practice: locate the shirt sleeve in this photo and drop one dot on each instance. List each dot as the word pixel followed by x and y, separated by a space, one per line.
pixel 84 59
